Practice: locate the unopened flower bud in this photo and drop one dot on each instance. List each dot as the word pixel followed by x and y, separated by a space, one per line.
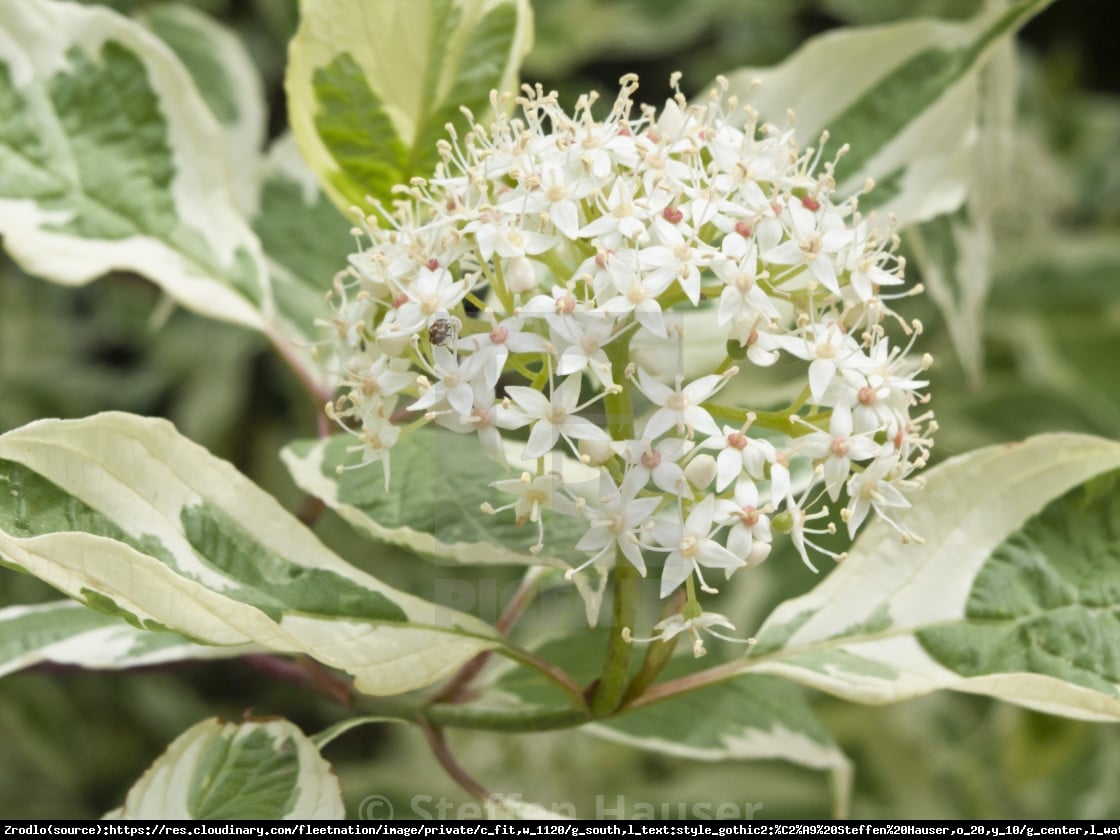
pixel 701 471
pixel 597 452
pixel 520 275
pixel 759 552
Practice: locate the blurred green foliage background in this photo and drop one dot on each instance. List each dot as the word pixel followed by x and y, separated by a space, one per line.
pixel 73 742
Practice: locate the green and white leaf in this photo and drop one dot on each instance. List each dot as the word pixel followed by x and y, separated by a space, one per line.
pixel 66 633
pixel 228 80
pixel 906 97
pixel 954 253
pixel 111 160
pixel 132 519
pixel 265 770
pixel 305 239
pixel 748 718
pixel 433 504
pixel 1015 592
pixel 371 86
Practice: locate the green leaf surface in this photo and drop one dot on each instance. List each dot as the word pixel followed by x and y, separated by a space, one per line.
pixel 228 80
pixel 749 718
pixel 265 770
pixel 906 97
pixel 1014 593
pixel 371 86
pixel 111 160
pixel 305 238
pixel 66 633
pixel 433 504
pixel 126 515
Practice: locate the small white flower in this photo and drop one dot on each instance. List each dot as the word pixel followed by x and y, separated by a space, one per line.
pixel 658 463
pixel 828 348
pixel 691 545
pixel 553 417
pixel 615 521
pixel 669 628
pixel 679 407
pixel 873 488
pixel 534 495
pixel 749 536
pixel 742 298
pixel 838 447
pixel 433 294
pixel 739 454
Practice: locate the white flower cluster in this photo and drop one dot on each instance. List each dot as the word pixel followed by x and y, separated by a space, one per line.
pixel 503 296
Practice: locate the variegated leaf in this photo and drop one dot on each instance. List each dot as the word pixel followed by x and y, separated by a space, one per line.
pixel 905 97
pixel 126 515
pixel 433 504
pixel 305 239
pixel 749 718
pixel 111 160
pixel 228 80
pixel 265 770
pixel 1014 593
pixel 371 86
pixel 66 633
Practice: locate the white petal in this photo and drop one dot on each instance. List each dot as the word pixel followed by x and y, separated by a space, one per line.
pixel 541 440
pixel 532 402
pixel 676 571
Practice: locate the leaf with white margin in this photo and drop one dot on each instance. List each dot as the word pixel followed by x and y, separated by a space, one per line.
pixel 305 239
pixel 259 770
pixel 371 86
pixel 994 601
pixel 126 515
pixel 66 633
pixel 111 160
pixel 904 96
pixel 748 718
pixel 439 481
pixel 954 253
pixel 228 80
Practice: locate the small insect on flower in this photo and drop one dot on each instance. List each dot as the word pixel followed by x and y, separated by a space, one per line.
pixel 442 329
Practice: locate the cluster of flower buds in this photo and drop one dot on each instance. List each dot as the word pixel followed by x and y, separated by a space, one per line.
pixel 508 297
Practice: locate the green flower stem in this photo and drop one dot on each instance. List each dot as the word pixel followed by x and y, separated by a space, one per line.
pixel 616 669
pixel 620 410
pixel 471 716
pixel 657 656
pixel 778 421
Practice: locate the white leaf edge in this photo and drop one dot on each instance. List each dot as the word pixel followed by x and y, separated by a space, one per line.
pixel 935 150
pixel 246 134
pixel 383 40
pixel 970 505
pixel 34 38
pixel 140 473
pixel 307 472
pixel 752 744
pixel 162 792
pixel 103 648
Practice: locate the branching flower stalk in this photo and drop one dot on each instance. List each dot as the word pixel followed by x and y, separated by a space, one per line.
pixel 544 291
